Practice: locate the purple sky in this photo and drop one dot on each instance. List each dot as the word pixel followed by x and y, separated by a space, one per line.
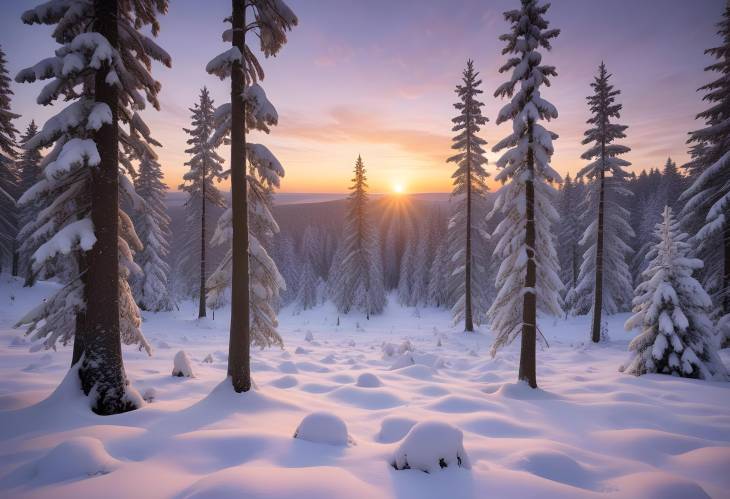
pixel 376 78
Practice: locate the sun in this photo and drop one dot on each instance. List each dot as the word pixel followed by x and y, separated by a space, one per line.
pixel 398 188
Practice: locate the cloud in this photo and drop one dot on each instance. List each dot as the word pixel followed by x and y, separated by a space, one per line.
pixel 347 124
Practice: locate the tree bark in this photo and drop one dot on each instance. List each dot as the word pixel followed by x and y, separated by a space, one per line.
pixel 102 371
pixel 468 317
pixel 528 347
pixel 201 294
pixel 598 291
pixel 239 362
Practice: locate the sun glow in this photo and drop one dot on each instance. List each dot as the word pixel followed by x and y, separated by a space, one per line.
pixel 398 188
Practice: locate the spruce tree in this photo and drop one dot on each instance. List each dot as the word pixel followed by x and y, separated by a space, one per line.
pixel 604 277
pixel 82 222
pixel 206 167
pixel 467 234
pixel 671 312
pixel 527 279
pixel 30 172
pixel 706 213
pixel 360 277
pixel 568 241
pixel 152 224
pixel 309 282
pixel 269 23
pixel 9 180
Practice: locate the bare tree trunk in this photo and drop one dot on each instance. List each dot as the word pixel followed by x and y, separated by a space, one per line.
pixel 201 294
pixel 239 362
pixel 468 314
pixel 102 370
pixel 528 347
pixel 598 291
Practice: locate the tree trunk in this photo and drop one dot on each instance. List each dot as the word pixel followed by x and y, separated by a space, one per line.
pixel 16 258
pixel 726 268
pixel 239 362
pixel 102 370
pixel 528 347
pixel 598 291
pixel 201 294
pixel 468 317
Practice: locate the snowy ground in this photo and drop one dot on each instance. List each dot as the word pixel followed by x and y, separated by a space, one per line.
pixel 588 432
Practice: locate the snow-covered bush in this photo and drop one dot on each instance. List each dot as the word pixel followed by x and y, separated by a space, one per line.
pixel 368 380
pixel 431 446
pixel 324 428
pixel 671 310
pixel 182 366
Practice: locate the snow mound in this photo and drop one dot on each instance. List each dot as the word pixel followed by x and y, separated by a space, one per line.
pixel 181 365
pixel 658 485
pixel 404 360
pixel 393 429
pixel 311 482
pixel 368 380
pixel 430 446
pixel 323 428
pixel 78 457
pixel 287 381
pixel 555 466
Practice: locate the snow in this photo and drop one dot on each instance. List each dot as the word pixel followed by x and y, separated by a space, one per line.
pixel 588 431
pixel 431 446
pixel 323 428
pixel 182 367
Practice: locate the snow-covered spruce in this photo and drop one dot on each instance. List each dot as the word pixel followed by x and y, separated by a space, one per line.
pixel 467 234
pixel 430 446
pixel 527 279
pixel 255 280
pixel 571 196
pixel 671 312
pixel 181 366
pixel 30 172
pixel 205 168
pixel 264 174
pixel 152 224
pixel 604 282
pixel 706 212
pixel 9 180
pixel 358 281
pixel 104 80
pixel 323 428
pixel 310 289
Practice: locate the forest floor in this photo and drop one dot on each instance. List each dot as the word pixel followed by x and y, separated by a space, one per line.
pixel 589 431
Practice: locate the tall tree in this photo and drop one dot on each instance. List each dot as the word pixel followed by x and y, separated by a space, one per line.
pixel 671 311
pixel 102 68
pixel 706 214
pixel 309 286
pixel 152 224
pixel 527 279
pixel 360 277
pixel 9 180
pixel 206 167
pixel 604 275
pixel 568 240
pixel 467 222
pixel 264 175
pixel 30 172
pixel 271 19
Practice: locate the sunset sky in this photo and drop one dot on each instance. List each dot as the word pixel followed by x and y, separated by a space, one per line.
pixel 376 78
